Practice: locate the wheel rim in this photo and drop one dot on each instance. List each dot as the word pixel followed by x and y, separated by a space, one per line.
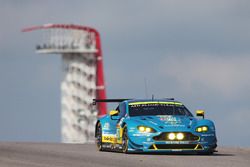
pixel 99 137
pixel 125 141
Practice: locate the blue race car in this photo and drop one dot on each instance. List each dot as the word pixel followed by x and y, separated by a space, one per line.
pixel 154 125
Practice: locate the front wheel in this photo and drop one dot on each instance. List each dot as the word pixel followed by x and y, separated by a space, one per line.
pixel 99 137
pixel 125 140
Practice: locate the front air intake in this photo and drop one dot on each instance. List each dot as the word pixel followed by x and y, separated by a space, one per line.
pixel 176 146
pixel 187 137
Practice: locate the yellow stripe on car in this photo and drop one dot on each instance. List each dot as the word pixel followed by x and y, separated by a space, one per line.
pixel 155 102
pixel 155 147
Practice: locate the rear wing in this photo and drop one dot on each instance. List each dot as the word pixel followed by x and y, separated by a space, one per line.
pixel 108 101
pixel 116 100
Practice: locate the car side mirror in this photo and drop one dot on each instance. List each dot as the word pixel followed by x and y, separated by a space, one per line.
pixel 113 113
pixel 200 113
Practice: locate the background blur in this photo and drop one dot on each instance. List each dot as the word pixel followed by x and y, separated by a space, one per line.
pixel 195 51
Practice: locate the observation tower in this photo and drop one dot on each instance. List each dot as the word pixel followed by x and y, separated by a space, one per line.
pixel 83 78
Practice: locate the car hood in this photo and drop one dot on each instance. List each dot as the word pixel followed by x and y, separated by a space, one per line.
pixel 166 122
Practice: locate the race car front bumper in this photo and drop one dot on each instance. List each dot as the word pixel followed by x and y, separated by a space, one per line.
pixel 149 143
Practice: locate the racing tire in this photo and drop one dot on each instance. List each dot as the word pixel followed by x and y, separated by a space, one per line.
pixel 125 140
pixel 99 137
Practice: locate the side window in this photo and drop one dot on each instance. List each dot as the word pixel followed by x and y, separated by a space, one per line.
pixel 122 109
pixel 118 109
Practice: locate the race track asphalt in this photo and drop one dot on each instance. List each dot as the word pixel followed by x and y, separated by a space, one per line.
pixel 19 154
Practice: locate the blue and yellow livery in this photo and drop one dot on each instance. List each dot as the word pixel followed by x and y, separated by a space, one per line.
pixel 154 125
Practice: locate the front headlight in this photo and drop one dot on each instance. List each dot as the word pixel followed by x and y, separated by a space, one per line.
pixel 180 136
pixel 174 136
pixel 146 129
pixel 202 129
pixel 171 136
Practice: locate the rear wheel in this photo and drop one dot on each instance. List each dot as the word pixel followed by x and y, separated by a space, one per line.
pixel 125 140
pixel 99 137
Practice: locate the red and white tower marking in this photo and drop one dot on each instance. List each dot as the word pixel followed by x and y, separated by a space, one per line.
pixel 83 78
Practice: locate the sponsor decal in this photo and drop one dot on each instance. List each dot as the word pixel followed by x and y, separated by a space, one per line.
pixel 132 129
pixel 106 126
pixel 170 119
pixel 206 135
pixel 108 138
pixel 153 122
pixel 141 134
pixel 177 142
pixel 147 143
pixel 120 122
pixel 176 149
pixel 174 125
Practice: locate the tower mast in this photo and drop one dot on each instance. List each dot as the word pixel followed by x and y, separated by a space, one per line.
pixel 83 77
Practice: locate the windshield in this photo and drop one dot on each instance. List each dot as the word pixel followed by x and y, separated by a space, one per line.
pixel 157 108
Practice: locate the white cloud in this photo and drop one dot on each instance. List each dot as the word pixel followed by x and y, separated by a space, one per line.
pixel 226 75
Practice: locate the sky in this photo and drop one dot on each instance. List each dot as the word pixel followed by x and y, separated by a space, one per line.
pixel 195 51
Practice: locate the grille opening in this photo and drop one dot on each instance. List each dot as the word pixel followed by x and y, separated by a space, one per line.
pixel 187 137
pixel 175 146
